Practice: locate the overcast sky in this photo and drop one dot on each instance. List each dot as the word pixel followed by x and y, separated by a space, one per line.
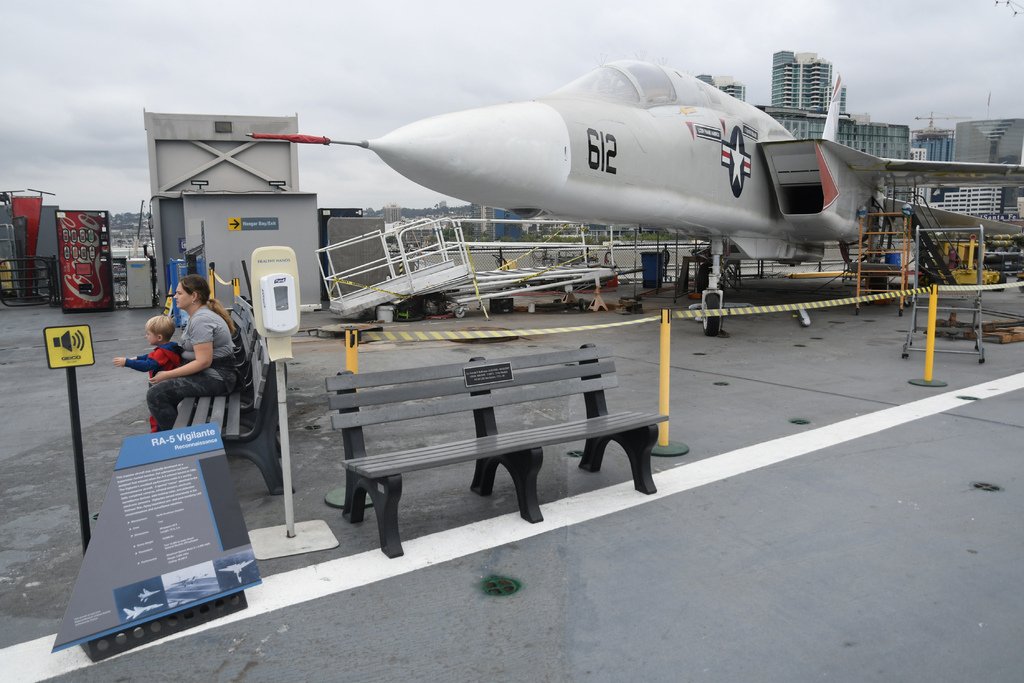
pixel 76 76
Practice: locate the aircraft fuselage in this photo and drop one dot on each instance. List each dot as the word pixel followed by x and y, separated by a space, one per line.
pixel 631 143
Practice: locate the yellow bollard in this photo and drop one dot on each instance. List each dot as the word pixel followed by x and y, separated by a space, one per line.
pixel 352 351
pixel 335 498
pixel 665 447
pixel 664 374
pixel 236 288
pixel 929 346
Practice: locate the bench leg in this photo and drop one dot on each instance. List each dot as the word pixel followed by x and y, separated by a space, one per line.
pixel 524 467
pixel 264 452
pixel 385 493
pixel 593 453
pixel 637 443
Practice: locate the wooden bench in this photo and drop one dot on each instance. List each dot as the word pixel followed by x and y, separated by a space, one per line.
pixel 480 386
pixel 247 417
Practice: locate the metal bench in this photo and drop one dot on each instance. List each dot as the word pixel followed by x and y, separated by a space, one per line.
pixel 247 417
pixel 480 386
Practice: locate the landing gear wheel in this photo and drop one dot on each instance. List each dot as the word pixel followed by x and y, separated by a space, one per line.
pixel 460 311
pixel 712 323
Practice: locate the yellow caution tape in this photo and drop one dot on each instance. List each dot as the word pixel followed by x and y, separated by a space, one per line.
pixel 443 335
pixel 971 288
pixel 375 289
pixel 439 335
pixel 782 308
pixel 217 277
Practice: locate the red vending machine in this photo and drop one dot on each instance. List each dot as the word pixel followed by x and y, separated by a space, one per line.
pixel 84 264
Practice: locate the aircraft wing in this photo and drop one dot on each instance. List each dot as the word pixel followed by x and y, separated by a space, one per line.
pixel 949 219
pixel 908 173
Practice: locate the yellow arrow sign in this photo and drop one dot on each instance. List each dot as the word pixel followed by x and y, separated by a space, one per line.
pixel 235 223
pixel 68 347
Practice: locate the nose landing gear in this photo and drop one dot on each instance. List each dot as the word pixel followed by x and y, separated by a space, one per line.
pixel 712 298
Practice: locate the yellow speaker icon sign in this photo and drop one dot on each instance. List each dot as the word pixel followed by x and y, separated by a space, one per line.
pixel 68 347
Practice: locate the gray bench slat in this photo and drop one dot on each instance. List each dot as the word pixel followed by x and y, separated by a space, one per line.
pixel 184 418
pixel 545 435
pixel 202 413
pixel 384 377
pixel 509 396
pixel 375 466
pixel 232 421
pixel 397 393
pixel 217 412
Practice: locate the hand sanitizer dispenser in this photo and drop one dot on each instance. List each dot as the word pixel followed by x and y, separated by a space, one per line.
pixel 279 303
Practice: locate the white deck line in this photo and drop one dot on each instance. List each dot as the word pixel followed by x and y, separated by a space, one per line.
pixel 32 661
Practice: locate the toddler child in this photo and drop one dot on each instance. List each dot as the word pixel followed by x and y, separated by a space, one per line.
pixel 165 356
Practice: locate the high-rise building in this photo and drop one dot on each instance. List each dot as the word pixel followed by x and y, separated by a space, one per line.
pixel 996 141
pixel 976 201
pixel 802 80
pixel 888 140
pixel 392 213
pixel 937 143
pixel 727 84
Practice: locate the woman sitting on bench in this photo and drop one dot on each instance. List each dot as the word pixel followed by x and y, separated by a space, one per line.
pixel 208 367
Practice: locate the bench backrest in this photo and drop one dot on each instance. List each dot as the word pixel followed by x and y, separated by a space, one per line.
pixel 251 355
pixel 393 395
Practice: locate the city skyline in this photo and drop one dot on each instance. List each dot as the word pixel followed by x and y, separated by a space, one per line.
pixel 73 121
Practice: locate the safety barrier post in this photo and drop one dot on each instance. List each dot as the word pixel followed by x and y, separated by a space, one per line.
pixel 929 348
pixel 335 498
pixel 352 351
pixel 236 288
pixel 665 447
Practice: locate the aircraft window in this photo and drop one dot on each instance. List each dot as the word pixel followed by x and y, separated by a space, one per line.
pixel 711 91
pixel 603 82
pixel 691 92
pixel 653 81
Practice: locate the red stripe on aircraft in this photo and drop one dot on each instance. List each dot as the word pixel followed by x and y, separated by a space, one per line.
pixel 828 183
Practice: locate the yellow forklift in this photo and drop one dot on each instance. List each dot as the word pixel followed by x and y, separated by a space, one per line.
pixel 964 258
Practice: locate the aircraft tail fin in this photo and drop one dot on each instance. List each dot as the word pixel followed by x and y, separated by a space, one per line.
pixel 831 131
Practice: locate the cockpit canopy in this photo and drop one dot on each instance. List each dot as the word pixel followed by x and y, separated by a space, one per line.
pixel 640 83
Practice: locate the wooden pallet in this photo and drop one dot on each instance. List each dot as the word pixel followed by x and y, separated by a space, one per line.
pixel 1004 335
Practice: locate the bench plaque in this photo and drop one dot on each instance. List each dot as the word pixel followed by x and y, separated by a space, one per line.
pixel 488 374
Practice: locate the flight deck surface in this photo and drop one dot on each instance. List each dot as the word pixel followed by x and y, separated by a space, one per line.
pixel 855 547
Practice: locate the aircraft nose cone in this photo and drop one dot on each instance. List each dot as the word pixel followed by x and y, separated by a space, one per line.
pixel 509 156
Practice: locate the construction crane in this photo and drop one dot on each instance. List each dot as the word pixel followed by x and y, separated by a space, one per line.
pixel 942 117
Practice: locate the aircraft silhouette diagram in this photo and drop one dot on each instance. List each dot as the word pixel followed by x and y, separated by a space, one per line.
pixel 136 612
pixel 146 594
pixel 637 143
pixel 236 568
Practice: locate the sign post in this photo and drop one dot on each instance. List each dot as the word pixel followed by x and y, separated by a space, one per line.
pixel 275 281
pixel 69 348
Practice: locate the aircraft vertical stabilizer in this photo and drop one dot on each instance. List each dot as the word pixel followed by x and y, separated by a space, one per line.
pixel 831 131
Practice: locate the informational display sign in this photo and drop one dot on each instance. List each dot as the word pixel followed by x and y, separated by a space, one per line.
pixel 170 536
pixel 84 261
pixel 68 347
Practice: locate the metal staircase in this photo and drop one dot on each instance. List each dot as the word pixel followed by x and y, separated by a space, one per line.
pixel 951 303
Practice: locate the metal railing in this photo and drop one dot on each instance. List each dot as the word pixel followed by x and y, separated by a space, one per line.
pixel 29 282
